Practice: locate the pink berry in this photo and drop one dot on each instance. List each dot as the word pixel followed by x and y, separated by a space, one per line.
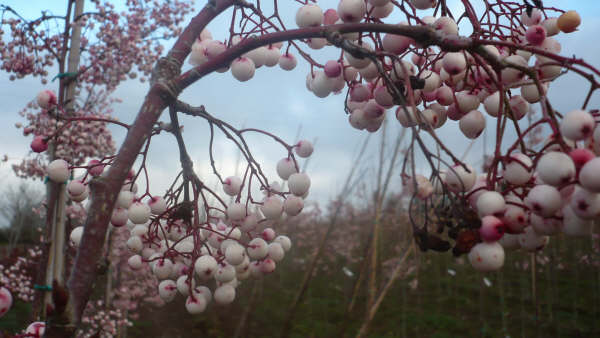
pixel 46 99
pixel 268 234
pixel 330 17
pixel 6 301
pixel 232 185
pixel 580 157
pixel 535 35
pixel 267 266
pixel 333 68
pixel 492 228
pixel 95 168
pixel 36 329
pixel 39 144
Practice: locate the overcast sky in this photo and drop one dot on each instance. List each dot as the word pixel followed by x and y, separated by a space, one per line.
pixel 276 101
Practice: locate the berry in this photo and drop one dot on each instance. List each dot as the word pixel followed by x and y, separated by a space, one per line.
pixel 75 236
pixel 232 185
pixel 276 252
pixel 39 144
pixel 157 205
pixel 490 203
pixel 299 183
pixel 543 200
pixel 492 228
pixel 487 256
pixel 303 148
pixel 287 61
pixel 225 273
pixel 36 329
pixel 588 176
pixel 535 35
pixel 205 266
pixel 125 199
pixel 351 10
pixel 139 213
pixel 272 207
pixel 224 294
pixel 568 21
pixel 577 125
pixel 46 99
pixel 6 301
pixel 58 171
pixel 257 248
pixel 135 262
pixel 454 63
pixel 459 179
pixel 472 124
pixel 95 168
pixel 235 254
pixel 518 169
pixel 243 69
pixel 310 15
pixel 167 290
pixel 293 205
pixel 556 168
pixel 533 19
pixel 195 305
pixel 236 211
